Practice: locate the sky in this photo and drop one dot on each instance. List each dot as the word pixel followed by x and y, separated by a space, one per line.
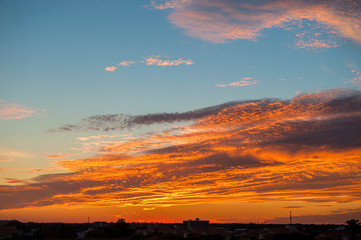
pixel 161 111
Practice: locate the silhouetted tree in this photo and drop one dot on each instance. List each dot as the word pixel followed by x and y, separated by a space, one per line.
pixel 353 226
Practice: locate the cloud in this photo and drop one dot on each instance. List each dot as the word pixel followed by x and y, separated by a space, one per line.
pixel 297 151
pixel 9 154
pixel 356 79
pixel 154 60
pixel 10 111
pixel 15 181
pixel 123 63
pixel 4 159
pixel 126 63
pixel 243 82
pixel 316 43
pixel 112 122
pixel 59 155
pixel 165 5
pixel 224 20
pixel 111 69
pixel 293 207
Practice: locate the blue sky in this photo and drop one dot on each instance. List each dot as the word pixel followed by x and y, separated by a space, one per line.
pixel 54 56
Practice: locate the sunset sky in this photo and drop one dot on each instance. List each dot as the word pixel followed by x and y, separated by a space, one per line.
pixel 225 110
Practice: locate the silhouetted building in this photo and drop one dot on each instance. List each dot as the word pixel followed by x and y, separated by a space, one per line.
pixel 195 223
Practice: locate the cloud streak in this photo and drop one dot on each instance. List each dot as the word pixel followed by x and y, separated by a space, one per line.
pixel 126 63
pixel 154 60
pixel 10 111
pixel 303 150
pixel 111 122
pixel 221 21
pixel 243 82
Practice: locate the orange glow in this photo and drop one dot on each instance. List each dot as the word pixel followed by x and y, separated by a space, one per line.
pixel 259 152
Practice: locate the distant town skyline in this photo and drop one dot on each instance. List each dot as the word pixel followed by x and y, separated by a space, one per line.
pixel 161 111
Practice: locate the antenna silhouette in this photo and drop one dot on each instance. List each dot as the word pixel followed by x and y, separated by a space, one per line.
pixel 290 217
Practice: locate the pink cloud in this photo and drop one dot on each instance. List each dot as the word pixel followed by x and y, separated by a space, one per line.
pixel 315 43
pixel 126 63
pixel 243 82
pixel 156 61
pixel 110 69
pixel 356 80
pixel 221 21
pixel 14 111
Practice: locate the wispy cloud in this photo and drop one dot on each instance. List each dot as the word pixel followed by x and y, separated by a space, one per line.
pixel 120 64
pixel 244 82
pixel 315 44
pixel 15 181
pixel 16 111
pixel 305 149
pixel 112 122
pixel 161 5
pixel 111 69
pixel 4 159
pixel 356 79
pixel 9 154
pixel 58 155
pixel 126 63
pixel 155 60
pixel 221 21
pixel 152 60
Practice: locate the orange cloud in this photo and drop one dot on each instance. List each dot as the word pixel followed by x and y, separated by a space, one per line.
pixel 303 150
pixel 220 21
pixel 15 111
pixel 59 155
pixel 110 69
pixel 156 61
pixel 243 82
